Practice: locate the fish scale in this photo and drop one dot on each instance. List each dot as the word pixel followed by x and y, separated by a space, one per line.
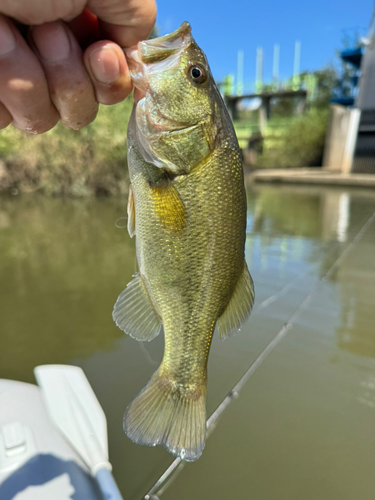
pixel 188 212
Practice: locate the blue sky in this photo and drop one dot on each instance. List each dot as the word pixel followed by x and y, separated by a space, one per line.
pixel 222 28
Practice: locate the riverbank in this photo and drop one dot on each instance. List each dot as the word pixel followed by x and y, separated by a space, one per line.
pixel 64 162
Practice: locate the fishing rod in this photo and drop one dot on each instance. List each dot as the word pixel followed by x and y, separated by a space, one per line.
pixel 177 465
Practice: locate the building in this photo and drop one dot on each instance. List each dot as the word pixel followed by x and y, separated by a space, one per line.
pixel 350 143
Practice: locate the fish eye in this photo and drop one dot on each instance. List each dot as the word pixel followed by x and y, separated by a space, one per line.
pixel 197 74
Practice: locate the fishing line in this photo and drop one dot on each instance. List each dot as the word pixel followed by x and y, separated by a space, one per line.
pixel 147 355
pixel 288 325
pixel 121 226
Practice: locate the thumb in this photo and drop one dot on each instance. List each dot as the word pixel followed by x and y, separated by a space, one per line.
pixel 126 22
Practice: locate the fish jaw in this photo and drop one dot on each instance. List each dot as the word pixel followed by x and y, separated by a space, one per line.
pixel 147 61
pixel 157 55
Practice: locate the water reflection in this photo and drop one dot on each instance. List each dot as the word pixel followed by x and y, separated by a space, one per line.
pixel 330 217
pixel 357 287
pixel 63 263
pixel 281 212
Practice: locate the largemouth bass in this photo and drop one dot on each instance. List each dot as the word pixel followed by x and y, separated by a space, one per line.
pixel 187 209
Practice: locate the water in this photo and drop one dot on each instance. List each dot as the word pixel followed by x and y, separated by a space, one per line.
pixel 302 425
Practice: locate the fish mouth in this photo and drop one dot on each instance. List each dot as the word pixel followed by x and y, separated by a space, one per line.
pixel 156 54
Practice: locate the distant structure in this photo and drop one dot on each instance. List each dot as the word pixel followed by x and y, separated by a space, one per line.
pixel 265 107
pixel 294 83
pixel 296 66
pixel 259 70
pixel 275 67
pixel 240 72
pixel 350 144
pixel 292 88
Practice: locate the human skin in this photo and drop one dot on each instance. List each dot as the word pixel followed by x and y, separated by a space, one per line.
pixel 60 58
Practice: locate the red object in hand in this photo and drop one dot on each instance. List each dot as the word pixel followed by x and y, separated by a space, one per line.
pixel 85 28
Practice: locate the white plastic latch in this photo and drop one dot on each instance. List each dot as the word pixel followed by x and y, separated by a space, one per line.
pixel 14 439
pixel 17 445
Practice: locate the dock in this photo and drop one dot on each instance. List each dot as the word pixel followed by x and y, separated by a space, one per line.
pixel 265 107
pixel 311 176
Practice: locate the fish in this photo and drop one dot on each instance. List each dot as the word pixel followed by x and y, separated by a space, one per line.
pixel 187 211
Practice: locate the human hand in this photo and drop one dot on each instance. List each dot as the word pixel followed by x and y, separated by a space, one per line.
pixel 69 59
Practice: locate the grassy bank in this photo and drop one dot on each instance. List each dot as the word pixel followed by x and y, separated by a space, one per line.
pixel 68 162
pixel 92 161
pixel 293 141
pixel 298 143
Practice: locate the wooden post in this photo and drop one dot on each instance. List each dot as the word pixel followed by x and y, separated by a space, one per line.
pixel 232 107
pixel 264 113
pixel 301 106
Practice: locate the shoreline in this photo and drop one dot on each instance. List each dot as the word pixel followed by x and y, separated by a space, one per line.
pixel 311 176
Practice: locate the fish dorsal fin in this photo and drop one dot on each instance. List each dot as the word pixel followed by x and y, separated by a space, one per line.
pixel 131 213
pixel 135 314
pixel 239 307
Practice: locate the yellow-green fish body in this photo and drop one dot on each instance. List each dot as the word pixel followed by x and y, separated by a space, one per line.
pixel 187 208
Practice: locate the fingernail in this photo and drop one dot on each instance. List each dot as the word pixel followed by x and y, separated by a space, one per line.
pixel 7 40
pixel 52 41
pixel 105 65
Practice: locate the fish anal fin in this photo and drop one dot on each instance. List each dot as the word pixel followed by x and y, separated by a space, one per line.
pixel 169 207
pixel 239 306
pixel 131 213
pixel 134 312
pixel 167 414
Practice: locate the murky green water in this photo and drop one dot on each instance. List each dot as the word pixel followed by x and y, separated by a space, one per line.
pixel 303 426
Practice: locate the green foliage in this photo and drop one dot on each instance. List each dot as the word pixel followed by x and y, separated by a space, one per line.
pixel 282 106
pixel 290 140
pixel 69 162
pixel 326 81
pixel 299 143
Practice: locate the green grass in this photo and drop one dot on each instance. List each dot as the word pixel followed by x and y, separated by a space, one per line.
pixel 69 162
pixel 244 129
pixel 296 141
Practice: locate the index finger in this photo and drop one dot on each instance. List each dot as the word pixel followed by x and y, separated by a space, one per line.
pixel 126 22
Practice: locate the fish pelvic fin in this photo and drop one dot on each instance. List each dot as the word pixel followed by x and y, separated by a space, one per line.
pixel 170 414
pixel 134 312
pixel 239 306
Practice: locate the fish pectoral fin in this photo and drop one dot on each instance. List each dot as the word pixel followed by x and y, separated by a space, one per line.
pixel 169 207
pixel 134 312
pixel 239 306
pixel 131 213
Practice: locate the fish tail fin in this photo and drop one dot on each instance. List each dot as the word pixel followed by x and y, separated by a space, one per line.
pixel 169 414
